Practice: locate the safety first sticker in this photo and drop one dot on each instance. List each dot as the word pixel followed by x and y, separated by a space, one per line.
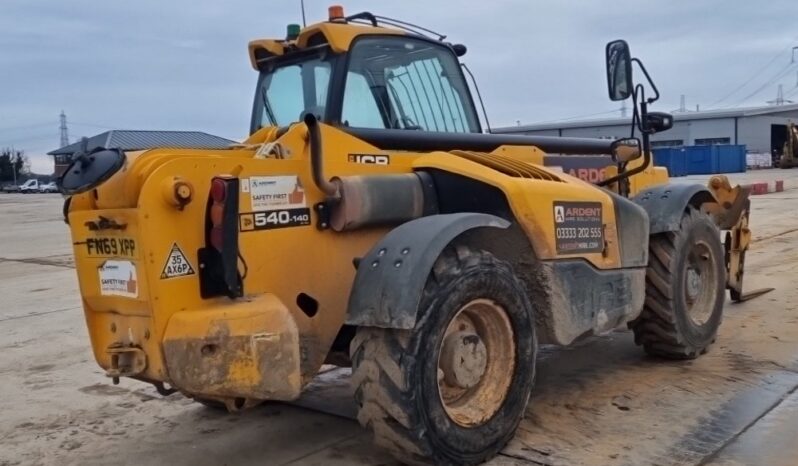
pixel 118 278
pixel 578 227
pixel 177 264
pixel 277 202
pixel 276 193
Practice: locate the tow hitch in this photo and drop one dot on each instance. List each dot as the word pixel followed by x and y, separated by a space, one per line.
pixel 126 361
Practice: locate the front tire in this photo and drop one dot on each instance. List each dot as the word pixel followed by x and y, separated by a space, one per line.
pixel 685 290
pixel 453 389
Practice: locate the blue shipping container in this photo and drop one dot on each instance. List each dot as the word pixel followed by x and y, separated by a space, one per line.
pixel 672 158
pixel 701 160
pixel 731 159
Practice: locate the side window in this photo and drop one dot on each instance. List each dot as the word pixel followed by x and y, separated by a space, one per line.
pixel 322 79
pixel 284 95
pixel 360 109
pixel 287 92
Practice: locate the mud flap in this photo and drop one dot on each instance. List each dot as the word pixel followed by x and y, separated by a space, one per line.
pixel 391 277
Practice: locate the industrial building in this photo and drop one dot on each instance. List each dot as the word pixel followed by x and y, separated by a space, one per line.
pixel 137 140
pixel 760 129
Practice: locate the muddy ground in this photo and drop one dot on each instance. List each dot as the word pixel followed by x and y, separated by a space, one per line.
pixel 601 402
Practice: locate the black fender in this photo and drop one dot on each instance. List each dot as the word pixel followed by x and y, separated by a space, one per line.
pixel 666 203
pixel 391 277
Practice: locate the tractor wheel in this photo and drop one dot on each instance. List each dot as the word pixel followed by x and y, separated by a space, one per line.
pixel 685 290
pixel 453 389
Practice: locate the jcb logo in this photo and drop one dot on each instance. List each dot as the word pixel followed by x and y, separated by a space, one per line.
pixel 372 159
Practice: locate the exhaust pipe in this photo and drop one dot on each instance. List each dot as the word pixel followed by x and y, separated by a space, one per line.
pixel 364 201
pixel 329 188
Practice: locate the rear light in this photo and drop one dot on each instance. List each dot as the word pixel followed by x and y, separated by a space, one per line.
pixel 220 259
pixel 218 190
pixel 216 237
pixel 216 215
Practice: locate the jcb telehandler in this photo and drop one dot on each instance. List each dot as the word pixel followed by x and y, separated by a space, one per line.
pixel 369 221
pixel 789 152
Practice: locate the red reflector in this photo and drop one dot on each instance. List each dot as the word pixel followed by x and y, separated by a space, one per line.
pixel 217 213
pixel 218 190
pixel 217 238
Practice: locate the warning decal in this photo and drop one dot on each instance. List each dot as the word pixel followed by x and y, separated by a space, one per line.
pixel 276 193
pixel 118 278
pixel 177 264
pixel 578 227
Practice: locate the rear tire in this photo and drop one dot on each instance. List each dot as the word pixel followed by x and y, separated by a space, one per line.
pixel 419 405
pixel 685 290
pixel 215 405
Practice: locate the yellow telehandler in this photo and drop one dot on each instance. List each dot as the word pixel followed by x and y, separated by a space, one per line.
pixel 789 152
pixel 369 220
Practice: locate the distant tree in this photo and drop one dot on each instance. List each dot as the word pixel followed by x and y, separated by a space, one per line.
pixel 14 164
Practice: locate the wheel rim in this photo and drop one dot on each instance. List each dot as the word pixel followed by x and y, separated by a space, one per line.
pixel 700 283
pixel 476 361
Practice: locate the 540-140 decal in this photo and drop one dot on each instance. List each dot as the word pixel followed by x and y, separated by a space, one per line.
pixel 273 219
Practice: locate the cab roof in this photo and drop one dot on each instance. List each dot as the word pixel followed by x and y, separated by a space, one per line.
pixel 337 34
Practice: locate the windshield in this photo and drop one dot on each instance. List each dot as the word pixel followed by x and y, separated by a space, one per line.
pixel 286 92
pixel 406 83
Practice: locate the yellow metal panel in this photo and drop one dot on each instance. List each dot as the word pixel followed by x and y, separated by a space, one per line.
pixel 532 204
pixel 251 349
pixel 341 35
pixel 274 47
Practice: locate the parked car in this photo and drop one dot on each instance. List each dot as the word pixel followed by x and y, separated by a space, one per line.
pixel 10 188
pixel 50 187
pixel 30 186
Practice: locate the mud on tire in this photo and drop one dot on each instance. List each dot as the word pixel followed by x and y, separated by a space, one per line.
pixel 396 373
pixel 685 290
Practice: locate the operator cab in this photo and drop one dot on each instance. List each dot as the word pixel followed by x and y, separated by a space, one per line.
pixel 383 78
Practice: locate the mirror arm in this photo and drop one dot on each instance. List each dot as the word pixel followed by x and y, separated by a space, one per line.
pixel 639 90
pixel 651 100
pixel 632 172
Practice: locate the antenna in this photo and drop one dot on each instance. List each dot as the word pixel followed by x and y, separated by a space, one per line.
pixel 64 131
pixel 302 5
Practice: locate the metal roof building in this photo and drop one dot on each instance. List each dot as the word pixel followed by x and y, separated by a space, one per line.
pixel 131 140
pixel 761 129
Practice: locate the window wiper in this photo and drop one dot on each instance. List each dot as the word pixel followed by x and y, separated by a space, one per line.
pixel 268 107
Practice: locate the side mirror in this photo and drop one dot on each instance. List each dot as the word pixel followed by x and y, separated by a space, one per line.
pixel 626 150
pixel 619 70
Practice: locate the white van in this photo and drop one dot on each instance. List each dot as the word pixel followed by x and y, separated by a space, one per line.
pixel 30 186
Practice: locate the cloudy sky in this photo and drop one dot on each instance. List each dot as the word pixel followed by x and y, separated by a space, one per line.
pixel 182 65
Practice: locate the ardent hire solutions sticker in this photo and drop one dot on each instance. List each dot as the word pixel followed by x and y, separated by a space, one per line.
pixel 118 278
pixel 177 264
pixel 578 227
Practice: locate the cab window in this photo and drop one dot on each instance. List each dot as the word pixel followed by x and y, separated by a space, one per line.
pixel 406 83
